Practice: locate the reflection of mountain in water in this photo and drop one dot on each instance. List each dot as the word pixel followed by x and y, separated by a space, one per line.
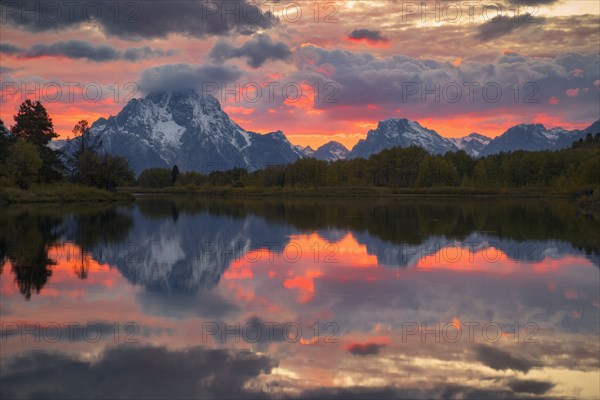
pixel 405 254
pixel 191 253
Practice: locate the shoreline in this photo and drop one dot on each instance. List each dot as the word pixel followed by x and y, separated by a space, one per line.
pixel 350 192
pixel 70 193
pixel 62 193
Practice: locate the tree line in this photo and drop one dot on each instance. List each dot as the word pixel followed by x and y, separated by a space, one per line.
pixel 26 156
pixel 410 167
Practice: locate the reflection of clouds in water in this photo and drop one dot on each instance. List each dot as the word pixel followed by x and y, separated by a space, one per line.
pixel 498 359
pixel 135 372
pixel 205 304
pixel 159 373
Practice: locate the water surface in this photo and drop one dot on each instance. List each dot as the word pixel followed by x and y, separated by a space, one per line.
pixel 191 298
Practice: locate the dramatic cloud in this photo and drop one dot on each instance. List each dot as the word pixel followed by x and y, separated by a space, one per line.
pixel 501 360
pixel 144 53
pixel 370 36
pixel 134 372
pixel 424 86
pixel 185 76
pixel 256 51
pixel 141 19
pixel 365 349
pixel 530 386
pixel 79 49
pixel 8 48
pixel 503 25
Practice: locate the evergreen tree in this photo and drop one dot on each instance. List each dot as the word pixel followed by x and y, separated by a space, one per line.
pixel 174 174
pixel 33 124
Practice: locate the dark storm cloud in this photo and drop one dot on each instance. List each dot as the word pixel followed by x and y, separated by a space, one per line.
pixel 367 34
pixel 79 49
pixel 73 49
pixel 503 25
pixel 365 349
pixel 501 360
pixel 256 51
pixel 530 386
pixel 134 372
pixel 8 48
pixel 140 19
pixel 185 76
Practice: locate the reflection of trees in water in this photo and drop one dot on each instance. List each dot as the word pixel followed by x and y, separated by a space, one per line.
pixel 28 233
pixel 407 220
pixel 25 239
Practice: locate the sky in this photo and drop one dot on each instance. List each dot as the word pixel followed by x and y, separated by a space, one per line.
pixel 318 71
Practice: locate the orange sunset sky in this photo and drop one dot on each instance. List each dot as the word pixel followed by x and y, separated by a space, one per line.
pixel 370 60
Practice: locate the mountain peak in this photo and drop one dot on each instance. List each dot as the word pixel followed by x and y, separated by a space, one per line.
pixel 190 129
pixel 401 132
pixel 472 144
pixel 330 151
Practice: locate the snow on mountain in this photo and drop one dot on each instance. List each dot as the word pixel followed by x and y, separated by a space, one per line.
pixel 191 130
pixel 57 144
pixel 307 151
pixel 535 137
pixel 331 151
pixel 403 133
pixel 472 143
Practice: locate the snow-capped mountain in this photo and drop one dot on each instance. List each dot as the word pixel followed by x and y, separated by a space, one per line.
pixel 330 151
pixel 472 143
pixel 403 133
pixel 307 151
pixel 191 130
pixel 535 137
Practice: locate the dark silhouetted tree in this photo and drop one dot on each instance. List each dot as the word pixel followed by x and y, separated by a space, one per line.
pixel 86 145
pixel 174 174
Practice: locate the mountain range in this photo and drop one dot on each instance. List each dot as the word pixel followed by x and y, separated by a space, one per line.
pixel 191 130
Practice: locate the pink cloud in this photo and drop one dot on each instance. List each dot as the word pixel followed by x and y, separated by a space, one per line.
pixel 572 92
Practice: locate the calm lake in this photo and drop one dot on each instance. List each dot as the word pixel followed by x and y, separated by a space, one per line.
pixel 177 297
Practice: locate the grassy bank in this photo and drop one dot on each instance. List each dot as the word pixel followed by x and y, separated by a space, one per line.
pixel 61 193
pixel 69 193
pixel 228 191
